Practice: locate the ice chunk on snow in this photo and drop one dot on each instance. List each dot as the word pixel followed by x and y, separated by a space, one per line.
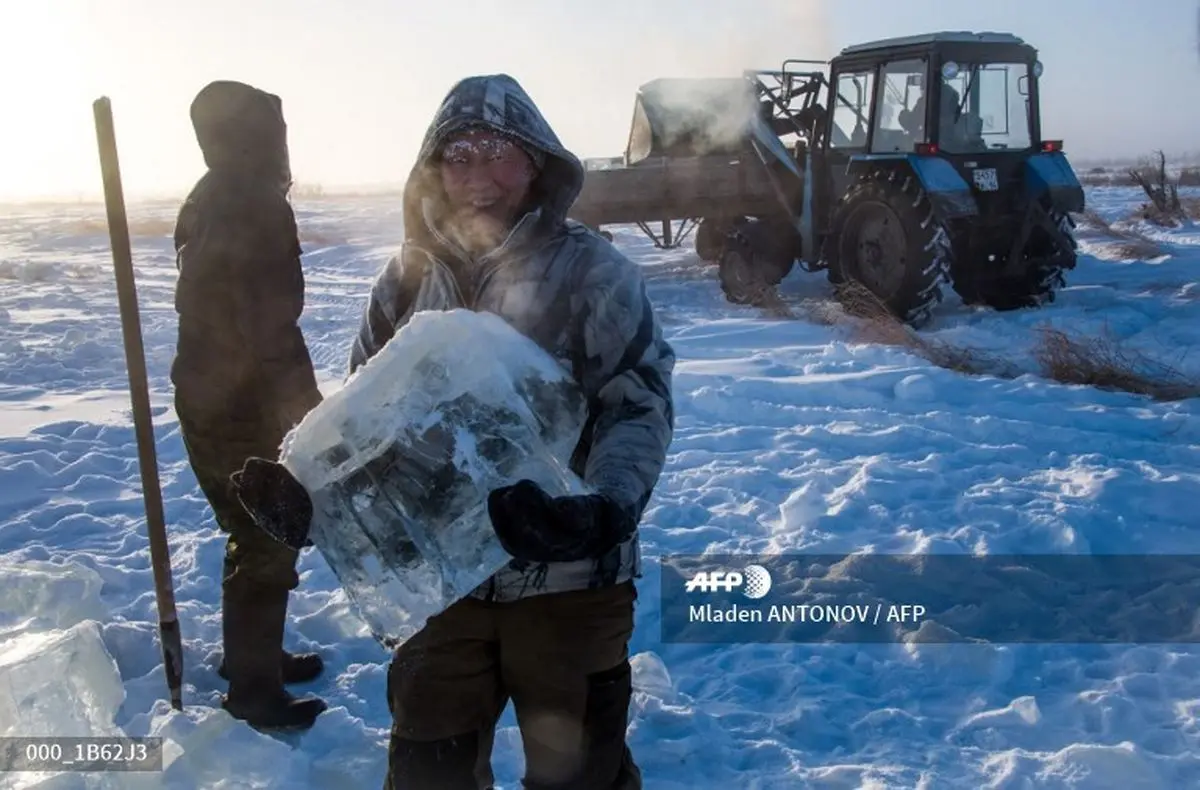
pixel 206 747
pixel 46 595
pixel 399 461
pixel 650 676
pixel 56 675
pixel 59 683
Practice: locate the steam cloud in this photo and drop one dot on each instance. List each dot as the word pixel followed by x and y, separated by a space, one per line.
pixel 702 116
pixel 584 68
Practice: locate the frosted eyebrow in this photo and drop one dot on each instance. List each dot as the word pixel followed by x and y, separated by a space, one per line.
pixel 460 150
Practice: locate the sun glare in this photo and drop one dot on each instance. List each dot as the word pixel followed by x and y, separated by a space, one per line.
pixel 45 136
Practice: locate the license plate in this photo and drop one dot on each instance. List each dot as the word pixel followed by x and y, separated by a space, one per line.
pixel 985 179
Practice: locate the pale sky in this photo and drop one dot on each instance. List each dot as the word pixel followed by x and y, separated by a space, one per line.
pixel 360 78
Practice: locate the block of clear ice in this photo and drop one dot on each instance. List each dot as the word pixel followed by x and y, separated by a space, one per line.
pixel 399 461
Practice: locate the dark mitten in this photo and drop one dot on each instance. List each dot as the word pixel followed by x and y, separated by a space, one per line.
pixel 277 502
pixel 536 527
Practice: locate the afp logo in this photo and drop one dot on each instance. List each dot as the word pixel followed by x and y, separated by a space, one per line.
pixel 753 580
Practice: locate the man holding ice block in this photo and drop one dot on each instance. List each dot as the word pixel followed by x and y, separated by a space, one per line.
pixel 485 214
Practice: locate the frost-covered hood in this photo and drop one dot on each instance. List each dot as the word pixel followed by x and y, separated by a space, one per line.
pixel 497 102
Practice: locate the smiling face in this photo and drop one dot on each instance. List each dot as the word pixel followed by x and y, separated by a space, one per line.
pixel 487 178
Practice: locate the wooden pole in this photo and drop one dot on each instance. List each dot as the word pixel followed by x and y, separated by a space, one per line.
pixel 139 392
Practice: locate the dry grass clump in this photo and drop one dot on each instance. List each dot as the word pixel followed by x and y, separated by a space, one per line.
pixel 1163 207
pixel 320 238
pixel 144 228
pixel 1096 361
pixel 870 321
pixel 1102 362
pixel 1126 242
pixel 159 228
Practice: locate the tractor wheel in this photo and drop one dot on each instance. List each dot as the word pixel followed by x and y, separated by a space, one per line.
pixel 710 239
pixel 1036 285
pixel 756 256
pixel 886 238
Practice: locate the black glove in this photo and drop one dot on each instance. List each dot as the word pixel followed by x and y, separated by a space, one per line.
pixel 278 503
pixel 536 527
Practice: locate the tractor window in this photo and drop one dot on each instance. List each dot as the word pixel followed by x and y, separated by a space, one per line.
pixel 851 110
pixel 900 107
pixel 983 109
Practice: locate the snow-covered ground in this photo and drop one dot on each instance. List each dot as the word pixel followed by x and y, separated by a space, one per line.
pixel 789 438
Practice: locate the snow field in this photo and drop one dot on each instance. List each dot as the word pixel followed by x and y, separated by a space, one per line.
pixel 789 437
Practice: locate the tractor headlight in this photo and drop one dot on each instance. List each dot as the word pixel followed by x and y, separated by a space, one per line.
pixel 949 70
pixel 1037 68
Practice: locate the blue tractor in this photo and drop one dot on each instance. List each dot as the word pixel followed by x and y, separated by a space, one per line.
pixel 902 165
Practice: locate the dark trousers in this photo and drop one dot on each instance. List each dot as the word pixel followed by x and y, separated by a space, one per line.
pixel 563 661
pixel 218 446
pixel 258 573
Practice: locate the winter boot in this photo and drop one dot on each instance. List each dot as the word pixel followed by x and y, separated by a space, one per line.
pixel 253 634
pixel 296 668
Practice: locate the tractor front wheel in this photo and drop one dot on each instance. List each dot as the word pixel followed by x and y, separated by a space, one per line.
pixel 755 257
pixel 887 239
pixel 710 239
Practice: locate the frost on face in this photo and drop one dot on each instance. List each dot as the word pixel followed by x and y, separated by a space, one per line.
pixel 399 462
pixel 486 178
pixel 466 150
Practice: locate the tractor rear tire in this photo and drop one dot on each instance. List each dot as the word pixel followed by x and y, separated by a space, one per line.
pixel 755 258
pixel 710 239
pixel 1034 287
pixel 886 238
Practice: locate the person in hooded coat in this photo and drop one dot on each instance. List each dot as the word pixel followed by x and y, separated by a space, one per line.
pixel 243 377
pixel 485 212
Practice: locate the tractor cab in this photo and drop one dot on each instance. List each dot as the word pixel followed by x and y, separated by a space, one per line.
pixel 970 98
pixel 952 120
